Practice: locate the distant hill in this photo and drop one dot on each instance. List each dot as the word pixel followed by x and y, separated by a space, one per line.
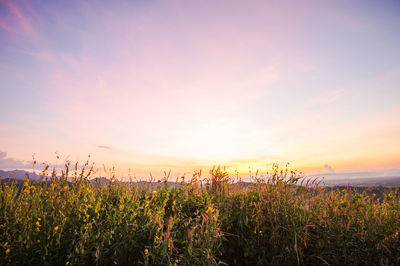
pixel 389 181
pixel 18 175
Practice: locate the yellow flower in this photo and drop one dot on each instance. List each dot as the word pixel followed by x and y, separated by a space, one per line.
pixel 38 224
pixel 67 263
pixel 38 241
pixel 6 244
pixel 8 251
pixel 146 252
pixel 56 228
pixel 89 206
pixel 153 194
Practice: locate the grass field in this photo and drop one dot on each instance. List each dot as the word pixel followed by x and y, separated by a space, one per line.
pixel 273 221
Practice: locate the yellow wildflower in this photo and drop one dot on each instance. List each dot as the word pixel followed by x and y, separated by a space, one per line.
pixel 67 263
pixel 146 252
pixel 8 251
pixel 56 228
pixel 38 224
pixel 153 194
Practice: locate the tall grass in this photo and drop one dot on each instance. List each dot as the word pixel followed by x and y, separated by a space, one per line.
pixel 273 221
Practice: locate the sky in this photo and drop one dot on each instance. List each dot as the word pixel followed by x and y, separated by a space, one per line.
pixel 148 86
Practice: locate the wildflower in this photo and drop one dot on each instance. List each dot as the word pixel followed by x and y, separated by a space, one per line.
pixel 56 228
pixel 67 263
pixel 8 251
pixel 146 252
pixel 89 206
pixel 38 224
pixel 6 244
pixel 38 241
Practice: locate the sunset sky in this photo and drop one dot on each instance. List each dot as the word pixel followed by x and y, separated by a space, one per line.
pixel 183 85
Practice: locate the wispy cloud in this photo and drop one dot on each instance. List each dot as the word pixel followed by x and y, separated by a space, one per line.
pixel 328 167
pixel 104 147
pixel 11 163
pixel 17 22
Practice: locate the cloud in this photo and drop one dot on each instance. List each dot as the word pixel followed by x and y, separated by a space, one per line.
pixel 17 21
pixel 104 147
pixel 328 167
pixel 7 163
pixel 11 163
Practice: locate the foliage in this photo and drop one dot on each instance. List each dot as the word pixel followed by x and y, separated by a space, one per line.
pixel 281 219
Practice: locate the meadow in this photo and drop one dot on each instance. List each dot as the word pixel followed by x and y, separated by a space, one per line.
pixel 281 218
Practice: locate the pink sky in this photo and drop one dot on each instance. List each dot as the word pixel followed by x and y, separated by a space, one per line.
pixel 182 85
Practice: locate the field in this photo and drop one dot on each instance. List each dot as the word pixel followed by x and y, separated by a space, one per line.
pixel 280 219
